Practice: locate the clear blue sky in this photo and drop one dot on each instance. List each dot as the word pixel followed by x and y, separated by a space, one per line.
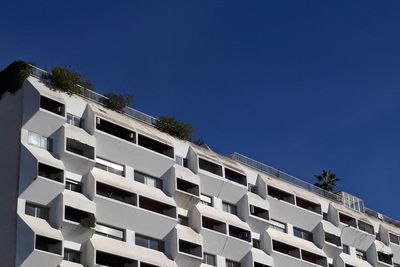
pixel 300 85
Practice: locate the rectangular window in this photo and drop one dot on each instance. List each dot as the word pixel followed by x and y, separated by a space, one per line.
pixel 259 212
pixel 207 200
pixel 210 166
pixel 73 186
pixel 148 242
pixel 280 194
pixel 385 258
pixel 50 172
pixel 155 146
pixel 115 193
pixel 183 220
pixel 115 130
pixel 256 243
pixel 395 239
pixel 181 161
pixel 209 259
pixel 74 120
pixel 346 249
pixel 286 249
pixel 110 232
pixel 40 141
pixel 361 254
pixel 230 263
pixel 366 227
pixel 72 255
pixel 277 225
pixel 303 234
pixel 252 188
pixel 230 208
pixel 52 105
pixel 148 180
pixel 36 211
pixel 109 166
pixel 333 239
pixel 48 244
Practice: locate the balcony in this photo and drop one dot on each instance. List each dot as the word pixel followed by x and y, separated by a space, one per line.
pixel 117 194
pixel 235 177
pixel 214 225
pixel 187 187
pixel 281 195
pixel 81 149
pixel 156 206
pixel 259 212
pixel 308 205
pixel 50 172
pixel 115 130
pixel 48 244
pixel 239 233
pixel 348 220
pixel 52 106
pixel 210 167
pixel 190 248
pixel 155 146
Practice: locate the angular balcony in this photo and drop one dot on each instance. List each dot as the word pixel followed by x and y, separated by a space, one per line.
pixel 42 175
pixel 185 246
pixel 257 258
pixel 144 207
pixel 380 254
pixel 346 260
pixel 254 210
pixel 38 242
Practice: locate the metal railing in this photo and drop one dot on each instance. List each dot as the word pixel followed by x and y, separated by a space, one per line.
pixel 382 217
pixel 284 176
pixel 98 98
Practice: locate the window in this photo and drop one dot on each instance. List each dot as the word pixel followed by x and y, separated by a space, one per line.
pixel 73 186
pixel 207 200
pixel 230 263
pixel 190 248
pixel 181 161
pixel 285 249
pixel 281 195
pixel 155 146
pixel 74 120
pixel 259 212
pixel 51 105
pixel 308 205
pixel 343 218
pixel 366 227
pixel 256 243
pixel 48 244
pixel 395 239
pixel 333 239
pixel 156 206
pixel 187 187
pixel 107 259
pixel 40 141
pixel 386 258
pixel 313 258
pixel 303 234
pixel 109 166
pixel 325 216
pixel 110 232
pixel 210 166
pixel 209 259
pixel 148 242
pixel 183 220
pixel 72 255
pixel 361 254
pixel 230 208
pixel 277 225
pixel 49 172
pixel 115 193
pixel 239 233
pixel 346 249
pixel 81 149
pixel 115 130
pixel 75 215
pixel 235 177
pixel 252 188
pixel 148 180
pixel 213 225
pixel 36 211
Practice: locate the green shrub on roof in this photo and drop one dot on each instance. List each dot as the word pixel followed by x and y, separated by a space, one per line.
pixel 13 76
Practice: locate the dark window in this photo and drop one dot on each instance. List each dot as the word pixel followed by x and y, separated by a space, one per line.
pixel 325 216
pixel 313 258
pixel 156 206
pixel 75 215
pixel 148 242
pixel 259 212
pixel 74 120
pixel 394 238
pixel 210 167
pixel 239 233
pixel 256 243
pixel 148 180
pixel 190 248
pixel 72 255
pixel 257 264
pixel 52 105
pixel 183 220
pixel 235 177
pixel 115 193
pixel 156 146
pixel 343 218
pixel 333 239
pixel 73 186
pixel 50 172
pixel 361 254
pixel 230 263
pixel 115 130
pixel 311 206
pixel 48 244
pixel 214 225
pixel 107 259
pixel 386 258
pixel 79 148
pixel 281 195
pixel 366 227
pixel 252 188
pixel 187 187
pixel 285 249
pixel 228 207
pixel 346 249
pixel 303 234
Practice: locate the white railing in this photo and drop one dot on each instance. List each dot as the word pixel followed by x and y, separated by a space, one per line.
pixel 98 98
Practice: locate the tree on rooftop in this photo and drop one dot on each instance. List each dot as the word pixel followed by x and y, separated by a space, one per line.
pixel 66 80
pixel 117 102
pixel 174 127
pixel 13 76
pixel 326 180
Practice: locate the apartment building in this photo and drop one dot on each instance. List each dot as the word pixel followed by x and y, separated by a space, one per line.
pixel 160 201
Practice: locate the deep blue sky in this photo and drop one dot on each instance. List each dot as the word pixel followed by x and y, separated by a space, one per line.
pixel 300 85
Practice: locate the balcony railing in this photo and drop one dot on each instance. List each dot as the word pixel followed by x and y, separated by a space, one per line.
pixel 284 176
pixel 98 98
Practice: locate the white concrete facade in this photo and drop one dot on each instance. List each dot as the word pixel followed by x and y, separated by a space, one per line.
pixel 157 200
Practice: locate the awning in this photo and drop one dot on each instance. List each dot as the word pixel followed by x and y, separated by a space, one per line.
pixel 41 227
pixel 296 242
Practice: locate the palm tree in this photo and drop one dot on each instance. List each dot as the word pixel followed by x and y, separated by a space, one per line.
pixel 326 180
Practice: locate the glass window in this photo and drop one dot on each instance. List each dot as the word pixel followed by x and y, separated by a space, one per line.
pixel 72 255
pixel 73 186
pixel 209 259
pixel 207 200
pixel 184 220
pixel 149 242
pixel 110 232
pixel 110 166
pixel 277 225
pixel 227 207
pixel 148 180
pixel 300 233
pixel 256 243
pixel 40 141
pixel 394 238
pixel 37 211
pixel 346 249
pixel 361 254
pixel 74 120
pixel 230 263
